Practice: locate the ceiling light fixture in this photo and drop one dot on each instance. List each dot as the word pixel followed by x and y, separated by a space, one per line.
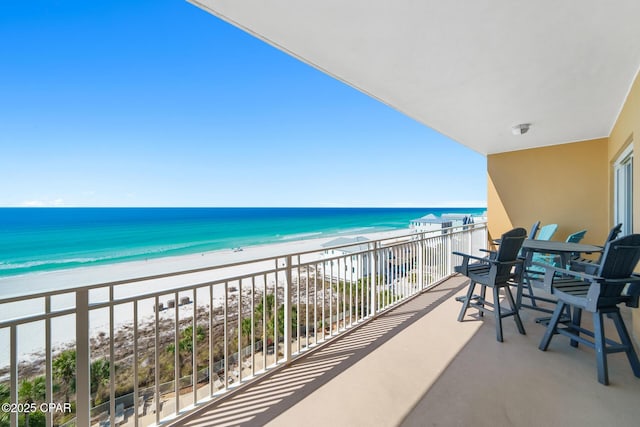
pixel 520 129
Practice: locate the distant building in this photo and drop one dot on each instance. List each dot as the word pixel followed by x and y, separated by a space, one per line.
pixel 351 259
pixel 433 223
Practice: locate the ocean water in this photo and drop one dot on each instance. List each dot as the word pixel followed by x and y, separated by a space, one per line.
pixel 45 239
pixel 34 240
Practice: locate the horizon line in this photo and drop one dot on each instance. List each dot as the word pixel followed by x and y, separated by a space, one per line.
pixel 438 206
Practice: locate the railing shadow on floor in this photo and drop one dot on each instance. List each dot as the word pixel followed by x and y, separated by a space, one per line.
pixel 263 400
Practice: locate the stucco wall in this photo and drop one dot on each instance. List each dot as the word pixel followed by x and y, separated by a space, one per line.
pixel 627 131
pixel 569 184
pixel 566 184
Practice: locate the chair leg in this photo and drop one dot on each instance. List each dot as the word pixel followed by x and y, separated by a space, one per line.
pixel 514 308
pixel 531 296
pixel 576 319
pixel 526 283
pixel 551 328
pixel 601 355
pixel 626 341
pixel 483 295
pixel 519 290
pixel 496 312
pixel 467 300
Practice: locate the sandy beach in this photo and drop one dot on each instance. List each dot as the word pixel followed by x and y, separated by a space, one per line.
pixel 93 275
pixel 31 337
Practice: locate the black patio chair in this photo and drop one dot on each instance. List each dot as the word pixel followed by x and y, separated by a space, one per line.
pixel 496 272
pixel 599 294
pixel 535 227
pixel 590 266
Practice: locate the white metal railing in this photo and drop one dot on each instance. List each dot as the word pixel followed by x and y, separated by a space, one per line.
pixel 128 341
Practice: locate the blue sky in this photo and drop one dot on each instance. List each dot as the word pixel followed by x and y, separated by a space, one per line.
pixel 158 103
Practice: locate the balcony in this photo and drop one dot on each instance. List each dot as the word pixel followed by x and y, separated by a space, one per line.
pixel 477 72
pixel 415 365
pixel 142 351
pixel 347 352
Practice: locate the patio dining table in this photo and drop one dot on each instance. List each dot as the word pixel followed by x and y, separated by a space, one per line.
pixel 563 249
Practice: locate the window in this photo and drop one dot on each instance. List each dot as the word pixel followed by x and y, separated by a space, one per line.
pixel 623 191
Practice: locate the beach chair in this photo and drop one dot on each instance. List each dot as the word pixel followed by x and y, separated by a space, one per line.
pixel 572 238
pixel 496 273
pixel 614 283
pixel 556 259
pixel 534 230
pixel 531 272
pixel 547 232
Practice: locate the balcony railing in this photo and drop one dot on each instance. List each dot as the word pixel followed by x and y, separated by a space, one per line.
pixel 146 350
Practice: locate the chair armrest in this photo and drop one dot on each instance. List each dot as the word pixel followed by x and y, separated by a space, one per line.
pixel 492 254
pixel 487 260
pixel 553 270
pixel 464 268
pixel 467 257
pixel 623 281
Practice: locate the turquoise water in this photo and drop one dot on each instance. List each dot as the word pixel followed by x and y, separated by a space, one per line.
pixel 45 239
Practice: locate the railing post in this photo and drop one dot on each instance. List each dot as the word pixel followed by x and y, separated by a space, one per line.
pixel 448 253
pixel 83 390
pixel 176 352
pixel 13 385
pixel 112 361
pixel 374 279
pixel 48 367
pixel 194 346
pixel 156 369
pixel 485 236
pixel 420 261
pixel 212 341
pixel 136 391
pixel 287 311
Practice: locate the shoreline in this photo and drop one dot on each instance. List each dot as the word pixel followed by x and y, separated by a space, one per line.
pixel 71 278
pixel 31 336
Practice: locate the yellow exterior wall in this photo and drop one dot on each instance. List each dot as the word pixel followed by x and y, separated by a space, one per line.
pixel 568 184
pixel 627 131
pixel 565 184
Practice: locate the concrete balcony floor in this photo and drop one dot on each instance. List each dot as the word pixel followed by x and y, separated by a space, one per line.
pixel 417 366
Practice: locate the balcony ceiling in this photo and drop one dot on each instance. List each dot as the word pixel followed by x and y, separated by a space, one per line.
pixel 470 70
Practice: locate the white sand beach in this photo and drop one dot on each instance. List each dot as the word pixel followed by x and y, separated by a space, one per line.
pixel 98 274
pixel 31 336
